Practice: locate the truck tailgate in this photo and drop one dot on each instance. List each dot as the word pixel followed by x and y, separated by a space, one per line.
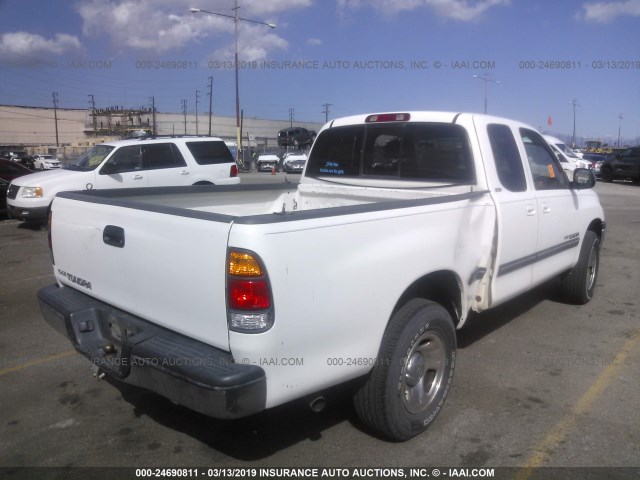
pixel 167 269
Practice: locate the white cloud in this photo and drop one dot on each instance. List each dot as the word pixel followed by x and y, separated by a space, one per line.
pixel 253 44
pixel 463 10
pixel 168 25
pixel 315 42
pixel 603 12
pixel 24 47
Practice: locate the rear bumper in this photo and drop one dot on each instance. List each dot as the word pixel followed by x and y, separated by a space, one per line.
pixel 186 371
pixel 266 167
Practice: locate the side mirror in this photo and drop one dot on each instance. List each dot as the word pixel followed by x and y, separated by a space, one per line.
pixel 583 178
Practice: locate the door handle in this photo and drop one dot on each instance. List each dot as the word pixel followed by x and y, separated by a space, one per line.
pixel 546 208
pixel 531 210
pixel 184 172
pixel 137 177
pixel 113 236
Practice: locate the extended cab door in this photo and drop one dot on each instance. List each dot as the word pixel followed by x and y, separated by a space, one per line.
pixel 557 205
pixel 123 169
pixel 517 212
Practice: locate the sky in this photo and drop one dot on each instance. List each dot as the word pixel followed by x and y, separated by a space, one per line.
pixel 536 58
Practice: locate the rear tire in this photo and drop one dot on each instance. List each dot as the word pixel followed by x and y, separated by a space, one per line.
pixel 407 387
pixel 606 175
pixel 578 284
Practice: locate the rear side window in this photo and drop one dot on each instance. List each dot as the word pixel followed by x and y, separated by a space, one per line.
pixel 507 158
pixel 209 153
pixel 416 151
pixel 161 155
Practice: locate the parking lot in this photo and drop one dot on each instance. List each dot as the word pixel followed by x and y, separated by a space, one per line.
pixel 538 383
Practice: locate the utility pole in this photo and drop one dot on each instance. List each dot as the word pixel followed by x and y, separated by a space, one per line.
pixel 241 150
pixel 197 100
pixel 154 131
pixel 326 111
pixel 210 101
pixel 55 114
pixel 575 104
pixel 291 115
pixel 184 113
pixel 93 115
pixel 619 127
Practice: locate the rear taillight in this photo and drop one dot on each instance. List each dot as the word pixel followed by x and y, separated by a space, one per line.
pixel 249 303
pixel 233 172
pixel 249 294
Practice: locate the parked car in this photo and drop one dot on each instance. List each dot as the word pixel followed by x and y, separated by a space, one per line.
pixel 156 162
pixel 266 163
pixel 596 160
pixel 294 163
pixel 45 162
pixel 622 166
pixel 10 169
pixel 295 137
pixel 13 154
pixel 27 162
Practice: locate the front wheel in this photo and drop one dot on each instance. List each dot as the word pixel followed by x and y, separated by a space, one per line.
pixel 606 174
pixel 578 284
pixel 407 388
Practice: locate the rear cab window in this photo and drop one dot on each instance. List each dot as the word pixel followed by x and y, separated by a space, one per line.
pixel 431 152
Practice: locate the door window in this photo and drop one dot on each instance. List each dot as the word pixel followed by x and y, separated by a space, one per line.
pixel 125 159
pixel 161 155
pixel 545 169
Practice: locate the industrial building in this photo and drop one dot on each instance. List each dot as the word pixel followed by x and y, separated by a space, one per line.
pixel 70 132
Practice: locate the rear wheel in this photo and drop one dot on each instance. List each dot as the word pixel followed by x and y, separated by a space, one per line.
pixel 406 389
pixel 578 284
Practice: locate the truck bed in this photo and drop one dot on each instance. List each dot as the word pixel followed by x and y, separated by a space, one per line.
pixel 227 202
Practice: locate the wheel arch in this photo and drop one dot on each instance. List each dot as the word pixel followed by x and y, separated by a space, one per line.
pixel 443 287
pixel 597 226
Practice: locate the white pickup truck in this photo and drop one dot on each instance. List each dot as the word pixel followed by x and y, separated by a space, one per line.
pixel 233 299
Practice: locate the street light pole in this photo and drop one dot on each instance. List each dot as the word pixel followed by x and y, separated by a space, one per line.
pixel 575 104
pixel 236 19
pixel 485 78
pixel 619 127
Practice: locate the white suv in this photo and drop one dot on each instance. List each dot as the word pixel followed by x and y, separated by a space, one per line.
pixel 156 162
